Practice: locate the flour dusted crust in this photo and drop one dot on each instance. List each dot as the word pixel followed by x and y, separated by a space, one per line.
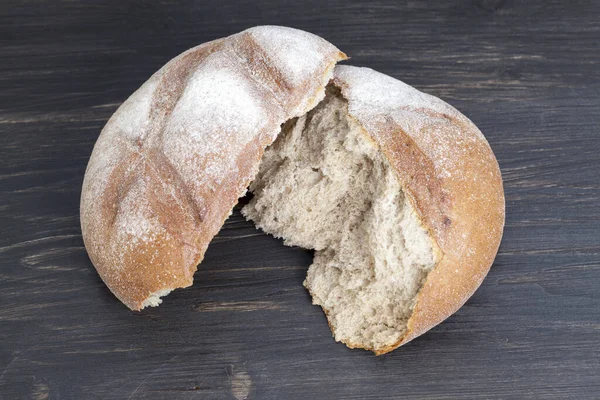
pixel 172 161
pixel 450 175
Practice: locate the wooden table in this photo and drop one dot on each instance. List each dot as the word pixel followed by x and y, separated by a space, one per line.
pixel 526 72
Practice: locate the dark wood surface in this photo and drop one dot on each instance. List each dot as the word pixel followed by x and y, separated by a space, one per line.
pixel 526 72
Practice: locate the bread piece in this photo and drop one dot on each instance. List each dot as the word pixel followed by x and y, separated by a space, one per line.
pixel 172 161
pixel 399 194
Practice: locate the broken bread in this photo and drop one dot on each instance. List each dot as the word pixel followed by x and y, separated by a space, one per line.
pixel 397 192
pixel 386 184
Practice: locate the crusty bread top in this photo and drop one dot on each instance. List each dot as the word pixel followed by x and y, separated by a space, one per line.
pixel 449 173
pixel 172 161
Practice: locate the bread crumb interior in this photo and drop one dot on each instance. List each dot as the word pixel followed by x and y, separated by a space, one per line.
pixel 324 185
pixel 154 299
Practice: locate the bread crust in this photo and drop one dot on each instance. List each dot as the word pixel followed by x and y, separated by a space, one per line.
pixel 448 172
pixel 173 160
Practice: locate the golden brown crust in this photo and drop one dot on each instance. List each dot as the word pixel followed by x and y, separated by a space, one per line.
pixel 449 173
pixel 173 160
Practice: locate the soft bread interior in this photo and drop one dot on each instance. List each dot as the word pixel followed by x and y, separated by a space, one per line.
pixel 154 299
pixel 324 185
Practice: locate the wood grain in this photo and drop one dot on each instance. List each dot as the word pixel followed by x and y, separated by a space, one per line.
pixel 526 72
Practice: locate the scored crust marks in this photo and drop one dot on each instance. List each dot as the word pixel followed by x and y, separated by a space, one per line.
pixel 413 111
pixel 199 135
pixel 434 140
pixel 289 50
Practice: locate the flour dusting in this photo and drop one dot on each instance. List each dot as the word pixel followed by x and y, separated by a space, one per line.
pixel 217 115
pixel 292 51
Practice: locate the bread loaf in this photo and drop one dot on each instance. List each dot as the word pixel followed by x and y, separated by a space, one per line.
pixel 397 192
pixel 172 161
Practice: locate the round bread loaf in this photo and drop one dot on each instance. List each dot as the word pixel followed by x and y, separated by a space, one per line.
pixel 173 160
pixel 397 192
